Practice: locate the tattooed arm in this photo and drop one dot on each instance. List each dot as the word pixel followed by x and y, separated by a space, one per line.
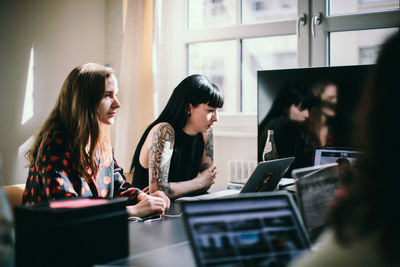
pixel 161 146
pixel 208 154
pixel 160 153
pixel 207 158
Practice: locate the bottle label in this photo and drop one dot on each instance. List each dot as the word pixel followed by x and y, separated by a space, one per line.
pixel 267 149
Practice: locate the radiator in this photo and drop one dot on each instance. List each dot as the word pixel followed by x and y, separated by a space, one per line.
pixel 240 170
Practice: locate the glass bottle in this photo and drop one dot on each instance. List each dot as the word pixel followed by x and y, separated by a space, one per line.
pixel 6 227
pixel 270 151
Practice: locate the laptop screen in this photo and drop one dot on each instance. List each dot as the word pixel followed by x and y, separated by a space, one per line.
pixel 267 175
pixel 261 229
pixel 324 155
pixel 316 186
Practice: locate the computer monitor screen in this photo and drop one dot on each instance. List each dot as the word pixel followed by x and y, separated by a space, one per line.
pixel 273 87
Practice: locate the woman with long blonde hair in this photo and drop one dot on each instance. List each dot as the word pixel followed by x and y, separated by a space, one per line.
pixel 72 154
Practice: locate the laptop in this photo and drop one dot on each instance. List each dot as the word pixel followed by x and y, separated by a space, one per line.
pixel 263 229
pixel 265 177
pixel 324 155
pixel 316 187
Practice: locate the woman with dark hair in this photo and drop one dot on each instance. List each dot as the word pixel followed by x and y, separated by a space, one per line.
pixel 72 156
pixel 175 153
pixel 321 124
pixel 365 217
pixel 286 117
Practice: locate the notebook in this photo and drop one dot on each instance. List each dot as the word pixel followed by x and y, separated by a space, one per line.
pixel 324 155
pixel 316 187
pixel 265 177
pixel 263 229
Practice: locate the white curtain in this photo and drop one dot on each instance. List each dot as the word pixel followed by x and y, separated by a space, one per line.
pixel 136 79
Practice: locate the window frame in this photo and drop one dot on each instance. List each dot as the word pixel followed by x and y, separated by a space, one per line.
pixel 311 51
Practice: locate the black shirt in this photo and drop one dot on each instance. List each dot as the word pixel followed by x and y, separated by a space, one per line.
pixel 185 161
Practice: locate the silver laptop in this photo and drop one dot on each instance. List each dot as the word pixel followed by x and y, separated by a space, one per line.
pixel 316 187
pixel 263 229
pixel 265 177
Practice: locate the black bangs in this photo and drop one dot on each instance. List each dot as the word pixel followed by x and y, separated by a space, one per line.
pixel 207 93
pixel 216 99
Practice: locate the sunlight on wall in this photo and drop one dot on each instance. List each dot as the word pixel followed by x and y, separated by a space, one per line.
pixel 28 101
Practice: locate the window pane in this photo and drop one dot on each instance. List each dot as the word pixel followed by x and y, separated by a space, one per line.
pixel 217 61
pixel 357 47
pixel 212 13
pixel 361 6
pixel 257 11
pixel 264 54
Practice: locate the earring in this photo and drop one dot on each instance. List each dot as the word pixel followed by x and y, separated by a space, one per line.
pixel 189 115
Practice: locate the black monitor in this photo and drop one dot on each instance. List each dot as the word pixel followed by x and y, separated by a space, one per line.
pixel 349 80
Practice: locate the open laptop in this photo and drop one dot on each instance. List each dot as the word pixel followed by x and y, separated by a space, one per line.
pixel 263 229
pixel 265 177
pixel 324 155
pixel 316 187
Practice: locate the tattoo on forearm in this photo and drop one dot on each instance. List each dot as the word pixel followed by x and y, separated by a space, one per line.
pixel 160 157
pixel 210 145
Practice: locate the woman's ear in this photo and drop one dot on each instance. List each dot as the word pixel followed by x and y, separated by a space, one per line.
pixel 189 110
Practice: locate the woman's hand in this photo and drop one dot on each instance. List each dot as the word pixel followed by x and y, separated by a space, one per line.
pixel 159 194
pixel 206 178
pixel 162 195
pixel 147 205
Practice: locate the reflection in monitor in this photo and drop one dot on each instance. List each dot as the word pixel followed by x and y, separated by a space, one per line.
pixel 325 155
pixel 348 80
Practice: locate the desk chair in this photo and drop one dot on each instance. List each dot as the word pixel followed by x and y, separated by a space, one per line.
pixel 14 194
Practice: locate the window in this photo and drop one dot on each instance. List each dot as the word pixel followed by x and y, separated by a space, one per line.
pixel 357 47
pixel 337 7
pixel 273 52
pixel 257 11
pixel 229 40
pixel 232 61
pixel 353 29
pixel 215 61
pixel 211 13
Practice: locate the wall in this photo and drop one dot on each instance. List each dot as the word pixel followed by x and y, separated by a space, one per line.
pixel 62 35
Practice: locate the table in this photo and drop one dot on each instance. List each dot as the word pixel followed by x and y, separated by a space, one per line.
pixel 158 243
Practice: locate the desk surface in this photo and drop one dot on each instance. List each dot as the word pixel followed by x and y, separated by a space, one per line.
pixel 157 243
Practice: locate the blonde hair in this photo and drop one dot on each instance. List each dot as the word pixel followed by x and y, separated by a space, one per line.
pixel 74 115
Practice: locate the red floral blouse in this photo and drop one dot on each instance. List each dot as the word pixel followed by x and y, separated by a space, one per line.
pixel 55 177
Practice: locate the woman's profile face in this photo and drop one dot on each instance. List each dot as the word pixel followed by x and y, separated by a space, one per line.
pixel 329 96
pixel 202 118
pixel 106 109
pixel 298 114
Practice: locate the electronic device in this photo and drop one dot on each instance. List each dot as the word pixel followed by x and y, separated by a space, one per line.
pixel 263 229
